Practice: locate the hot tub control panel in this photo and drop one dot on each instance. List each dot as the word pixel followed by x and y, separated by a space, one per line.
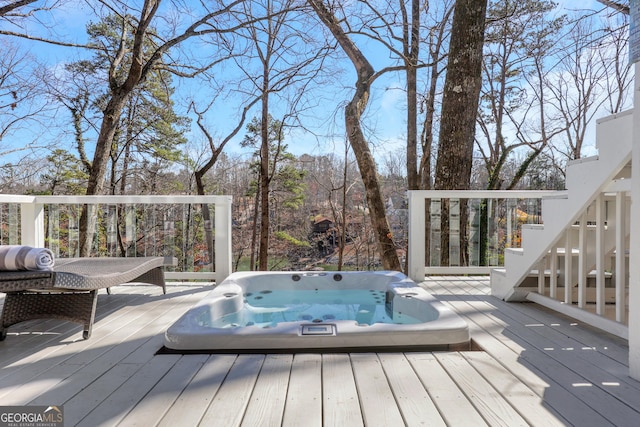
pixel 319 329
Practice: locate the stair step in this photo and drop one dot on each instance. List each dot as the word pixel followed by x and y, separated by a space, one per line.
pixel 499 271
pixel 612 124
pixel 533 226
pixel 582 160
pixel 585 179
pixel 579 173
pixel 556 195
pixel 559 251
pixel 514 251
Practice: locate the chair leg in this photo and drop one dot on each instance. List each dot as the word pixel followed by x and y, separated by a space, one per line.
pixel 88 320
pixel 78 307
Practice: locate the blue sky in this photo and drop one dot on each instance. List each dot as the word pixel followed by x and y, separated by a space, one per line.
pixel 385 112
pixel 384 116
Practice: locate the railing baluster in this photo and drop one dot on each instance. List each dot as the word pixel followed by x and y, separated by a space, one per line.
pixel 568 266
pixel 569 280
pixel 600 285
pixel 582 261
pixel 553 271
pixel 621 254
pixel 541 278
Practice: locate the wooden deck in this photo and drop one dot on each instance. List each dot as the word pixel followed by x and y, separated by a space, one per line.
pixel 534 368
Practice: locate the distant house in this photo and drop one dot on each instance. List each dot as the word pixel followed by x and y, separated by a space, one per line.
pixel 324 233
pixel 322 224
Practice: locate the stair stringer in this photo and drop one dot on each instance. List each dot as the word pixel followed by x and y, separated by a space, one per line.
pixel 586 179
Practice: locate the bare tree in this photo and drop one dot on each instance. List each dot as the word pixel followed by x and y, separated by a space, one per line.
pixel 620 7
pixel 333 184
pixel 515 52
pixel 132 63
pixel 286 61
pixel 591 77
pixel 22 100
pixel 214 153
pixel 353 113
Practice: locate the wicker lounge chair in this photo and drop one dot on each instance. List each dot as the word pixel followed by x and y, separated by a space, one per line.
pixel 70 291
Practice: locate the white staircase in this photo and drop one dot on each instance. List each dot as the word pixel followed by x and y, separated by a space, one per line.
pixel 586 180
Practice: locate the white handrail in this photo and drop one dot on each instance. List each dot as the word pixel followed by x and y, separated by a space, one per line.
pixel 32 221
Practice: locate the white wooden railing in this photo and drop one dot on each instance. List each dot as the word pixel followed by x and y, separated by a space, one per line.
pixel 591 259
pixel 148 226
pixel 584 272
pixel 511 209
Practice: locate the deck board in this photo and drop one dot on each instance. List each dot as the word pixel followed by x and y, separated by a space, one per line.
pixel 341 406
pixel 266 406
pixel 412 398
pixel 535 367
pixel 493 407
pixel 574 365
pixel 231 399
pixel 376 396
pixel 152 409
pixel 304 399
pixel 196 397
pixel 521 397
pixel 454 406
pixel 123 399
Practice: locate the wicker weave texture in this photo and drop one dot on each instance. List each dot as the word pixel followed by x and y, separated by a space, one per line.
pixel 70 291
pixel 78 307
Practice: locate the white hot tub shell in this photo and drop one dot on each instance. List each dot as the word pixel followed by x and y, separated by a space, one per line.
pixel 437 327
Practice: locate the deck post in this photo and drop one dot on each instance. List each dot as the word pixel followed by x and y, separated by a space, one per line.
pixel 32 224
pixel 417 250
pixel 634 246
pixel 222 242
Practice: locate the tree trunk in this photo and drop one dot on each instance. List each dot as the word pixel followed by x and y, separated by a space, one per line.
pixel 99 167
pixel 366 162
pixel 206 214
pixel 343 234
pixel 412 49
pixel 254 231
pixel 265 179
pixel 119 95
pixel 200 173
pixel 460 108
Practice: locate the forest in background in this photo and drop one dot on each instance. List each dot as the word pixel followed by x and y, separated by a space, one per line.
pixel 172 98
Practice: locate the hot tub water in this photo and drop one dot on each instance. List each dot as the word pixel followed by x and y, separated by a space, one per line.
pixel 267 308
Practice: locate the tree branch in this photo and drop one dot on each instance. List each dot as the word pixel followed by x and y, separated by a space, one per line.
pixel 43 40
pixel 4 10
pixel 615 5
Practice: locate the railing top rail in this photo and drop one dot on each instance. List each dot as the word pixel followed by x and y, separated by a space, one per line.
pixel 16 198
pixel 126 199
pixel 482 194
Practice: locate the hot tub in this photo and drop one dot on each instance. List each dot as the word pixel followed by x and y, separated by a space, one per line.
pixel 292 311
